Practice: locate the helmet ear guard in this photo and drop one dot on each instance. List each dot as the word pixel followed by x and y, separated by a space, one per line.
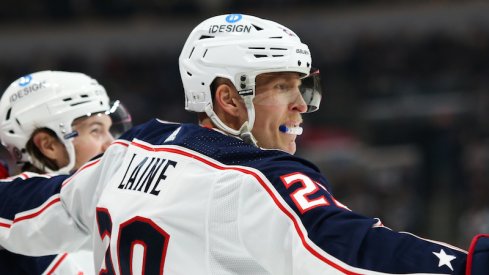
pixel 238 47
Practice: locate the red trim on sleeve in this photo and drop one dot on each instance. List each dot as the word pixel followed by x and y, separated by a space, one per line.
pixel 35 214
pixel 58 263
pixel 78 171
pixel 6 225
pixel 468 268
pixel 56 200
pixel 89 164
pixel 120 142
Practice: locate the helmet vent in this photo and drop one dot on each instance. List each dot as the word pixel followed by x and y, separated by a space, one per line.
pixel 256 48
pixel 204 53
pixel 78 103
pixel 11 131
pixel 67 99
pixel 276 37
pixel 205 37
pixel 256 27
pixel 260 55
pixel 278 49
pixel 191 52
pixel 8 114
pixel 189 73
pixel 16 120
pixel 84 96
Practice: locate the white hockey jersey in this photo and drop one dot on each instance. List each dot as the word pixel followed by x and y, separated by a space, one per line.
pixel 79 263
pixel 182 199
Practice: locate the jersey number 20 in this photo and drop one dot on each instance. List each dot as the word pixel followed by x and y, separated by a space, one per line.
pixel 137 233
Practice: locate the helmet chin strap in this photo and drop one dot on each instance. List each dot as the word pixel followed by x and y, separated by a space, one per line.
pixel 70 148
pixel 244 131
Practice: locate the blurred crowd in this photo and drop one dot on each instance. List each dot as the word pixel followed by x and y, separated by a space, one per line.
pixel 402 132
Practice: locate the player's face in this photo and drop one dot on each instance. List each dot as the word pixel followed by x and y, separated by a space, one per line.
pixel 93 137
pixel 277 102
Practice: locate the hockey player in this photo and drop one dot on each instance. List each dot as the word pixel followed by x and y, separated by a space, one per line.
pixel 54 121
pixel 226 196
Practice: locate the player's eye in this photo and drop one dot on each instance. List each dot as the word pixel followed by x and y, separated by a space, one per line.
pixel 96 130
pixel 282 87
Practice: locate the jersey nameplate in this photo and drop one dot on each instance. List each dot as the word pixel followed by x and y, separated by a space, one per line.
pixel 145 175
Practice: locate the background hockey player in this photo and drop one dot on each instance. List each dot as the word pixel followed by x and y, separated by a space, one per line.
pixel 55 121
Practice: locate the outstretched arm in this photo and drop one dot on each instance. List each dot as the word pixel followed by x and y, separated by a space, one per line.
pixel 43 215
pixel 33 220
pixel 327 237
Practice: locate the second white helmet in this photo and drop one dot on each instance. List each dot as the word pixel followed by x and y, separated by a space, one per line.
pixel 51 99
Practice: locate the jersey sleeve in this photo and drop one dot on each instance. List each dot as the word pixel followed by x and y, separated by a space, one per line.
pixel 43 215
pixel 292 209
pixel 32 217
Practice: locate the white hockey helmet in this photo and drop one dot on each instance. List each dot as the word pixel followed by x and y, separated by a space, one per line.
pixel 239 47
pixel 51 99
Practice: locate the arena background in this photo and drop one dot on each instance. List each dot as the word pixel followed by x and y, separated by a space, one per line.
pixel 402 133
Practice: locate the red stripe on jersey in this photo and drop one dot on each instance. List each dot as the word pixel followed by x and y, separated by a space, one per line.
pixel 265 186
pixel 26 176
pixel 89 164
pixel 121 142
pixel 79 170
pixel 468 267
pixel 6 225
pixel 58 263
pixel 35 214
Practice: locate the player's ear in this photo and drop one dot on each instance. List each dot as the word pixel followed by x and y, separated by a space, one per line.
pixel 47 144
pixel 227 99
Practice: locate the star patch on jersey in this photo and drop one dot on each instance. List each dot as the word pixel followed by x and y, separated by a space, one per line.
pixel 445 259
